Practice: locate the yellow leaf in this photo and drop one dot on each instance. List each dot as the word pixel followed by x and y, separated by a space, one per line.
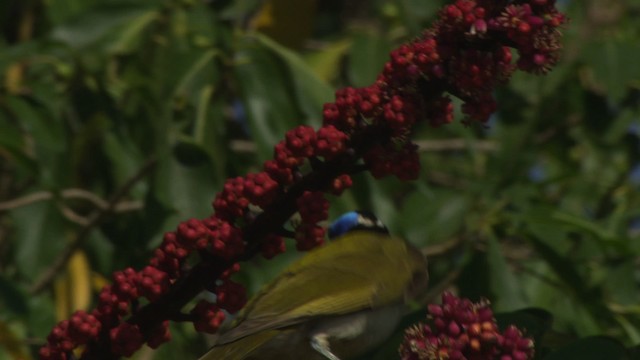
pixel 14 78
pixel 326 62
pixel 11 344
pixel 80 281
pixel 289 22
pixel 98 281
pixel 73 288
pixel 61 295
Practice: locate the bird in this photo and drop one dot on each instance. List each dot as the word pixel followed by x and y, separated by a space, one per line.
pixel 338 301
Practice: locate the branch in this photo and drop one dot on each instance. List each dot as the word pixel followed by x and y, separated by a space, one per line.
pixel 72 193
pixel 93 220
pixel 442 249
pixel 443 285
pixel 369 126
pixel 456 145
pixel 444 145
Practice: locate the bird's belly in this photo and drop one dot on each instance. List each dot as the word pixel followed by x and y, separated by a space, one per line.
pixel 348 336
pixel 354 334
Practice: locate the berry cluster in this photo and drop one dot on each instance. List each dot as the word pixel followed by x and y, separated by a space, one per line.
pixel 122 298
pixel 466 54
pixel 462 330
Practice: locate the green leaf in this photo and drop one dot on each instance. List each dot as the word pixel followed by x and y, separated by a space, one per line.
pixel 533 322
pixel 125 160
pixel 415 12
pixel 39 237
pixel 437 222
pixel 49 138
pixel 194 74
pixel 102 22
pixel 12 148
pixel 12 298
pixel 183 189
pixel 504 284
pixel 311 92
pixel 190 153
pixel 130 36
pixel 269 103
pixel 41 315
pixel 369 52
pixel 614 65
pixel 326 63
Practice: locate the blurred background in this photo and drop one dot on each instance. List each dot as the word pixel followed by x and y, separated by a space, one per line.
pixel 119 119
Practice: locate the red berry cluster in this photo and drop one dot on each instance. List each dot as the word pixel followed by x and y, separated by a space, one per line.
pixel 466 54
pixel 152 283
pixel 121 298
pixel 272 246
pixel 261 189
pixel 68 334
pixel 462 330
pixel 207 317
pixel 403 162
pixel 125 339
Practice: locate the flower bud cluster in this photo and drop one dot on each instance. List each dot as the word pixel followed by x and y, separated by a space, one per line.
pixel 473 65
pixel 461 330
pixel 466 54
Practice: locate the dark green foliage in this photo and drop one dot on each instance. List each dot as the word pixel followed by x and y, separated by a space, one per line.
pixel 541 209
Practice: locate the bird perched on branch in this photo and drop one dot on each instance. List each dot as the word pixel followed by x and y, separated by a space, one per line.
pixel 336 302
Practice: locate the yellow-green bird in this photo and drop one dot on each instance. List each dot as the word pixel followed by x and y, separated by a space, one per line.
pixel 336 302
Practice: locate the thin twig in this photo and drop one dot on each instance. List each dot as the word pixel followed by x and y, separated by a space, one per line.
pixel 86 195
pixel 437 290
pixel 443 248
pixel 25 200
pixel 72 193
pixel 243 146
pixel 444 145
pixel 94 219
pixel 456 145
pixel 73 216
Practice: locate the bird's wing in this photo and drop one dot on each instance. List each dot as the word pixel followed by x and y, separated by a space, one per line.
pixel 358 271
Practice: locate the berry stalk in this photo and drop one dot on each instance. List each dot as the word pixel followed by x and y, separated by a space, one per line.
pixel 468 51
